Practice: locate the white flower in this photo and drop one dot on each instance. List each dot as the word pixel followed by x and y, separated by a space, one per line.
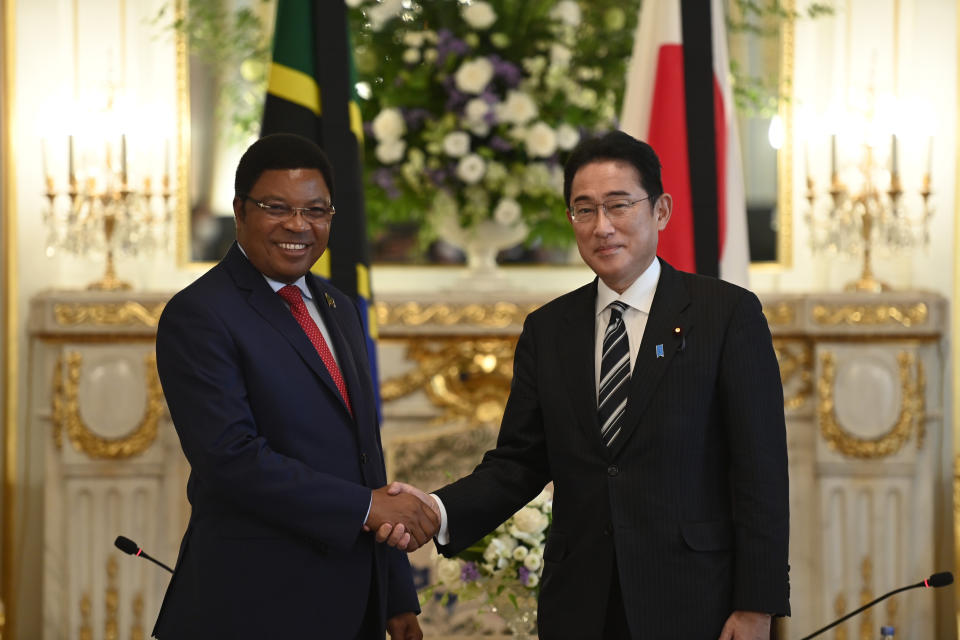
pixel 491 553
pixel 389 125
pixel 353 4
pixel 476 109
pixel 471 168
pixel 541 140
pixel 567 137
pixel 543 496
pixel 530 520
pixel 479 128
pixel 479 15
pixel 567 11
pixel 456 144
pixel 473 76
pixel 507 212
pixel 391 151
pixel 520 553
pixel 411 56
pixel 533 580
pixel 381 14
pixel 518 108
pixel 560 55
pixel 430 55
pixel 413 39
pixel 532 561
pixel 507 545
pixel 448 571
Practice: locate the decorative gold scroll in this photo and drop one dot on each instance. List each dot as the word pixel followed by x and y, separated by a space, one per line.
pixel 496 315
pixel 866 595
pixel 136 627
pixel 466 378
pixel 111 602
pixel 840 608
pixel 86 609
pixel 912 409
pixel 909 315
pixel 108 314
pixel 66 414
pixel 780 314
pixel 795 358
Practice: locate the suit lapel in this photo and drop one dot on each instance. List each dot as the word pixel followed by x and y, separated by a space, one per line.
pixel 577 348
pixel 269 305
pixel 337 326
pixel 667 312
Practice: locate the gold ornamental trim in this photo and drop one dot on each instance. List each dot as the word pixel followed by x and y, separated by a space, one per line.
pixel 495 315
pixel 66 414
pixel 795 358
pixel 912 409
pixel 780 314
pixel 856 315
pixel 108 314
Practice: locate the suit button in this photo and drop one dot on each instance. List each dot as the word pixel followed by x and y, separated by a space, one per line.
pixel 613 470
pixel 363 458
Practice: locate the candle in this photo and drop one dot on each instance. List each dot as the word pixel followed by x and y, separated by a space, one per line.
pixel 833 155
pixel 893 154
pixel 73 177
pixel 123 158
pixel 43 157
pixel 929 155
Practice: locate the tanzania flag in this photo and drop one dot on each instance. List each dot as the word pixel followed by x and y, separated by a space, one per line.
pixel 310 92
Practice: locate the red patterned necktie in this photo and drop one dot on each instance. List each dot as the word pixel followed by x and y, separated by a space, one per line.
pixel 291 293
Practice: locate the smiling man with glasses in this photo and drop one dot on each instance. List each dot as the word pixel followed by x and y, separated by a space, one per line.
pixel 265 371
pixel 652 399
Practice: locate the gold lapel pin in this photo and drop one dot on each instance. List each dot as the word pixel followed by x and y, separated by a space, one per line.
pixel 330 301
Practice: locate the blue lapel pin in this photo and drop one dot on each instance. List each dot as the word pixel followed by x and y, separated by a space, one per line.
pixel 330 302
pixel 659 350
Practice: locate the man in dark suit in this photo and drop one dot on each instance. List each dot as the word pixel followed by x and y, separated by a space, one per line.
pixel 652 399
pixel 264 368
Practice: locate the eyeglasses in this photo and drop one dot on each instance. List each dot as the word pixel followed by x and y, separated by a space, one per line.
pixel 280 211
pixel 614 208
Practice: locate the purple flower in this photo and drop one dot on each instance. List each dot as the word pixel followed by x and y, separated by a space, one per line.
pixel 499 144
pixel 448 44
pixel 385 179
pixel 506 71
pixel 523 574
pixel 415 117
pixel 455 98
pixel 469 572
pixel 437 176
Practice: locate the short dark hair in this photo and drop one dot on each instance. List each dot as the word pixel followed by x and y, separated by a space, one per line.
pixel 615 145
pixel 280 151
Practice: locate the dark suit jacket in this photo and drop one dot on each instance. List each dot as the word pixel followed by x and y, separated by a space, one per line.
pixel 280 475
pixel 691 499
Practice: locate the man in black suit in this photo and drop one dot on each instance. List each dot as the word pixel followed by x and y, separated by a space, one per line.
pixel 264 368
pixel 652 399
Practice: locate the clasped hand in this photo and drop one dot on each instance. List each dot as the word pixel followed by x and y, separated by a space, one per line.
pixel 402 519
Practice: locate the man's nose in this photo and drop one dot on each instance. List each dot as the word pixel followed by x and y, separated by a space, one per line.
pixel 603 226
pixel 296 221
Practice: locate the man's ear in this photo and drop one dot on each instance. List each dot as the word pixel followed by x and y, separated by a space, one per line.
pixel 662 210
pixel 238 211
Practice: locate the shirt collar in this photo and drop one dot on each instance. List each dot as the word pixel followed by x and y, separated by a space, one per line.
pixel 638 295
pixel 276 285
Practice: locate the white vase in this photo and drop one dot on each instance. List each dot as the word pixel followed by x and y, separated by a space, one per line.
pixel 482 242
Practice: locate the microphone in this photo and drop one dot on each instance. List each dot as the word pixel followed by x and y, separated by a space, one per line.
pixel 130 547
pixel 941 579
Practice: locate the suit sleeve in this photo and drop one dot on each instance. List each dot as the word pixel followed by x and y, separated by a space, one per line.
pixel 202 377
pixel 752 403
pixel 514 472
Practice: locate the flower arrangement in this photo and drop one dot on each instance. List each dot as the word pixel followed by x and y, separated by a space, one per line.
pixel 470 106
pixel 507 562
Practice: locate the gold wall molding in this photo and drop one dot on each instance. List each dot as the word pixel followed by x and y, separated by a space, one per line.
pixel 66 414
pixel 912 409
pixel 86 610
pixel 780 314
pixel 136 627
pixel 839 609
pixel 495 315
pixel 905 315
pixel 463 377
pixel 795 358
pixel 866 595
pixel 108 314
pixel 111 602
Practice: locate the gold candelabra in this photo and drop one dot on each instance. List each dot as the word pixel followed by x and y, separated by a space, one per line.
pixel 866 208
pixel 99 210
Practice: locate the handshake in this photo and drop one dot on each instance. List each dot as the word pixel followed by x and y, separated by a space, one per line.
pixel 403 516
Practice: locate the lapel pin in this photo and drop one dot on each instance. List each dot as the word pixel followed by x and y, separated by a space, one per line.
pixel 330 302
pixel 659 350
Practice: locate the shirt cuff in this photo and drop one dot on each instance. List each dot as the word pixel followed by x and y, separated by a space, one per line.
pixel 369 504
pixel 443 536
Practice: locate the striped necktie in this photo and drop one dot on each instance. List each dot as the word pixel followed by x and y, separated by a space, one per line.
pixel 614 375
